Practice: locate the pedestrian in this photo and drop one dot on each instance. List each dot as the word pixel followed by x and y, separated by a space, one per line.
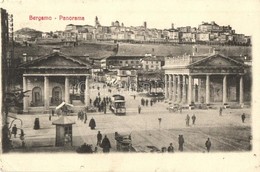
pixel 220 111
pixel 85 117
pixel 208 144
pixel 99 138
pixel 181 142
pixel 14 130
pixel 151 102
pixel 170 148
pixel 243 117
pixel 180 108
pixel 106 144
pixel 139 109
pixel 92 123
pixel 187 120
pixel 193 119
pixel 134 97
pixel 146 102
pixel 52 112
pixel 49 117
pixel 105 109
pixel 142 101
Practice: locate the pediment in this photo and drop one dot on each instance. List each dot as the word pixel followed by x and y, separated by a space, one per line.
pixel 217 61
pixel 56 60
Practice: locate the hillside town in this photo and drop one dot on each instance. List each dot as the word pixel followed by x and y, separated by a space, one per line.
pixel 93 89
pixel 205 33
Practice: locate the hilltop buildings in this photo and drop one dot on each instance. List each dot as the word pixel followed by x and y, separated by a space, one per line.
pixel 210 33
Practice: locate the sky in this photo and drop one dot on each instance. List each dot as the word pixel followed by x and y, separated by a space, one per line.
pixel 241 15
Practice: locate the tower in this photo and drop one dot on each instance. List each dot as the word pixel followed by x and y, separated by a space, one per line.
pixel 97 24
pixel 145 25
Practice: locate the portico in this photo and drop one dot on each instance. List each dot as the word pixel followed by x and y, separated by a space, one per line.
pixel 53 79
pixel 209 79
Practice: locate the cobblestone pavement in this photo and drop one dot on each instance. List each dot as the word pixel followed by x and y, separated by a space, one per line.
pixel 227 132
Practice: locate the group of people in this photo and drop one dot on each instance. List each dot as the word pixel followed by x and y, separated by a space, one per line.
pixel 103 143
pixel 181 145
pixel 82 116
pixel 193 117
pixel 102 103
pixel 146 102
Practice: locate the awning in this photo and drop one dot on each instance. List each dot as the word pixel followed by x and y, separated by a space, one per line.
pixel 62 104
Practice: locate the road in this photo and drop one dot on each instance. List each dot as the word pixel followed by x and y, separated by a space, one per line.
pixel 227 132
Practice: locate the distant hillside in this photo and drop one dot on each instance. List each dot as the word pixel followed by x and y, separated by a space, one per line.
pixel 96 51
pixel 29 32
pixel 179 50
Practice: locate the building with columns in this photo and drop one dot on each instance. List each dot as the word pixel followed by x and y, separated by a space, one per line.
pixel 53 79
pixel 210 79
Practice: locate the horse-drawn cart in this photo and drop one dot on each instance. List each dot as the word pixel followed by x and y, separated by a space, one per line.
pixel 123 142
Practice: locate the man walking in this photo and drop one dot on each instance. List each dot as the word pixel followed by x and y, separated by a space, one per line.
pixel 193 119
pixel 181 142
pixel 99 138
pixel 220 111
pixel 139 109
pixel 208 144
pixel 243 117
pixel 187 120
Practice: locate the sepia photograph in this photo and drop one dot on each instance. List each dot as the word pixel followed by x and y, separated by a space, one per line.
pixel 112 82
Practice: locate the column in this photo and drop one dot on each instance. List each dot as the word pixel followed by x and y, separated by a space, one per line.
pixel 25 99
pixel 241 90
pixel 190 86
pixel 184 94
pixel 67 90
pixel 174 88
pixel 87 96
pixel 225 89
pixel 199 90
pixel 46 93
pixel 166 87
pixel 170 87
pixel 207 89
pixel 179 89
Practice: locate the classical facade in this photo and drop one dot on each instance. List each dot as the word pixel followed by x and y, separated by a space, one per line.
pixel 53 79
pixel 206 79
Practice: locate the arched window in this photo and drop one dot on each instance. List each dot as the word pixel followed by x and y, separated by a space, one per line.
pixel 36 96
pixel 56 95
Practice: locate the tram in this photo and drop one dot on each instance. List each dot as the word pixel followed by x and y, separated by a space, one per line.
pixel 117 105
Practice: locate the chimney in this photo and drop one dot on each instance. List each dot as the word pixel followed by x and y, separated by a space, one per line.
pixel 24 57
pixel 57 49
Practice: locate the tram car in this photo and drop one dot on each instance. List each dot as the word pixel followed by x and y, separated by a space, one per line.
pixel 118 105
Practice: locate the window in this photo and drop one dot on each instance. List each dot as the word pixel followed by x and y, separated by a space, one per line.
pixel 156 62
pixel 120 61
pixel 132 62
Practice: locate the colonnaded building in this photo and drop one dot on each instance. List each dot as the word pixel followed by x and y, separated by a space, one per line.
pixel 207 79
pixel 53 79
